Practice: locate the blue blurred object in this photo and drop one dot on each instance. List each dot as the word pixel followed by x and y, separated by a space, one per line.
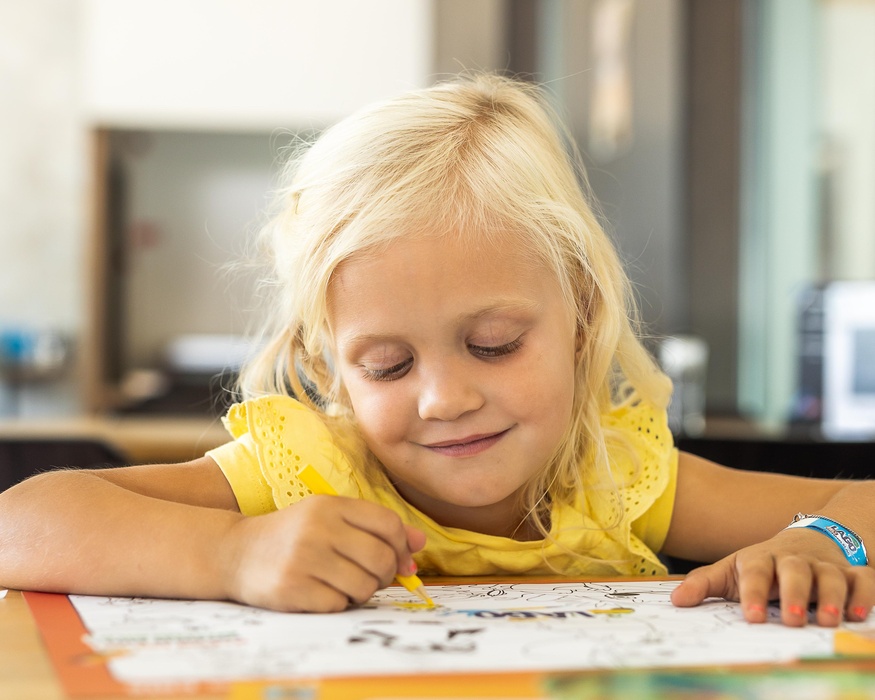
pixel 28 356
pixel 16 346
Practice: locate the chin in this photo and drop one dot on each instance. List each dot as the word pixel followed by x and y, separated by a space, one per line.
pixel 476 499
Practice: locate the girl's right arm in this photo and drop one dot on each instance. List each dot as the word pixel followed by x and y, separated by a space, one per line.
pixel 175 531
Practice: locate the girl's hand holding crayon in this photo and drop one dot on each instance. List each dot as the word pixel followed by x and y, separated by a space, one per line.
pixel 319 555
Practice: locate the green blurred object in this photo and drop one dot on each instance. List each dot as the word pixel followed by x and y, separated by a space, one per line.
pixel 772 684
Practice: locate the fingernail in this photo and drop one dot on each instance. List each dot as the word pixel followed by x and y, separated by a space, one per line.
pixel 795 610
pixel 755 612
pixel 831 610
pixel 860 612
pixel 412 568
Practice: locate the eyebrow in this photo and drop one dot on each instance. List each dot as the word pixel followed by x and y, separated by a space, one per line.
pixel 493 306
pixel 499 306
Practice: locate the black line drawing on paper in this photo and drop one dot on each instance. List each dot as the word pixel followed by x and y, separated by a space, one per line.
pixel 417 637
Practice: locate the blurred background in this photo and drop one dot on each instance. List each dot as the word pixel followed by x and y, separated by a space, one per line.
pixel 730 145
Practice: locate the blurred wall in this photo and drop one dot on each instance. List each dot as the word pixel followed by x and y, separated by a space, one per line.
pixel 42 182
pixel 638 183
pixel 42 176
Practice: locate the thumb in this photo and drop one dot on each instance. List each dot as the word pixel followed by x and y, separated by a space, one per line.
pixel 415 542
pixel 712 581
pixel 415 538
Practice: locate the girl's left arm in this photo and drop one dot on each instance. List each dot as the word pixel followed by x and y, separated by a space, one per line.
pixel 737 518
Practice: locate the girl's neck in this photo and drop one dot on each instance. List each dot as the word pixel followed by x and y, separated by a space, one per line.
pixel 502 519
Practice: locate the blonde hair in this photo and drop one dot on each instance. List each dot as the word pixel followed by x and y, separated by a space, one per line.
pixel 481 155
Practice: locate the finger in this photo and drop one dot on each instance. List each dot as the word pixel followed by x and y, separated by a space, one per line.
pixel 348 578
pixel 709 581
pixel 354 583
pixel 319 578
pixel 381 523
pixel 368 552
pixel 795 579
pixel 861 597
pixel 756 584
pixel 313 586
pixel 312 595
pixel 832 592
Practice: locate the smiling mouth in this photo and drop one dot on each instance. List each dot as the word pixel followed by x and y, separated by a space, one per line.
pixel 467 446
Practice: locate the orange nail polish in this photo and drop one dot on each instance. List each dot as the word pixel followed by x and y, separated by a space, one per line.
pixel 795 610
pixel 860 612
pixel 831 610
pixel 756 607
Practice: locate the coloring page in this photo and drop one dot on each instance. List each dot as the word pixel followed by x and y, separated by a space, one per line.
pixel 472 628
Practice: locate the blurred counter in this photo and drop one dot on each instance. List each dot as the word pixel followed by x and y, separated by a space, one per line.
pixel 141 439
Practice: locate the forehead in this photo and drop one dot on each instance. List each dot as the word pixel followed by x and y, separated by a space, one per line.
pixel 434 259
pixel 438 277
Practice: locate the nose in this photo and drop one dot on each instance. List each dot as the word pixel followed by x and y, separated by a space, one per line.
pixel 448 391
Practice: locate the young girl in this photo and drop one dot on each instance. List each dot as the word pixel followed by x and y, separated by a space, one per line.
pixel 459 335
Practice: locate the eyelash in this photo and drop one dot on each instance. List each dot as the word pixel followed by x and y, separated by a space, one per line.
pixel 497 350
pixel 388 374
pixel 487 352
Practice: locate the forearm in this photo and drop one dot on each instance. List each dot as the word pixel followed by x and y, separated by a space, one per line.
pixel 75 532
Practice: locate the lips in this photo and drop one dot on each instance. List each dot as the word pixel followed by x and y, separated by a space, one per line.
pixel 467 446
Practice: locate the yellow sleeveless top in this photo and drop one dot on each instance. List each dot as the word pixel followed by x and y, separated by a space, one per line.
pixel 276 436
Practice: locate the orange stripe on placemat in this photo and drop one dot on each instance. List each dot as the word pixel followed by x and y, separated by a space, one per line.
pixel 80 670
pixel 522 686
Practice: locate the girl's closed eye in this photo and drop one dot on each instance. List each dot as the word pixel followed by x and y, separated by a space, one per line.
pixel 384 374
pixel 493 351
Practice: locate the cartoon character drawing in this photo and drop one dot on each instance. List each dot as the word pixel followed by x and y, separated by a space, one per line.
pixel 417 637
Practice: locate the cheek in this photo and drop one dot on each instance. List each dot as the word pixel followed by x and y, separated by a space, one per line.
pixel 537 399
pixel 377 412
pixel 550 393
pixel 554 372
pixel 551 404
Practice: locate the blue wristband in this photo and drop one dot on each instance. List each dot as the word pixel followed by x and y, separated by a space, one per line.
pixel 844 537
